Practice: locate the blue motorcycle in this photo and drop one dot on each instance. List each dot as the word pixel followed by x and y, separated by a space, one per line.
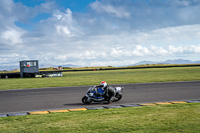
pixel 96 94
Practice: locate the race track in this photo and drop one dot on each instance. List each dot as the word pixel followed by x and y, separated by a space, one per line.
pixel 70 97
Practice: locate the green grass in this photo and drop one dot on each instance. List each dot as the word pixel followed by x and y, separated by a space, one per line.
pixel 161 118
pixel 110 76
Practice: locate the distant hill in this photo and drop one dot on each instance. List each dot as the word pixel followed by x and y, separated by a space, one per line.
pixel 48 65
pixel 69 65
pixel 8 68
pixel 197 62
pixel 145 62
pixel 178 61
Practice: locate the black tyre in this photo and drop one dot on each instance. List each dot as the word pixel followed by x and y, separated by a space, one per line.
pixel 85 100
pixel 119 97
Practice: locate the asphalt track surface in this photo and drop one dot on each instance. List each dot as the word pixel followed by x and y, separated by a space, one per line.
pixel 70 97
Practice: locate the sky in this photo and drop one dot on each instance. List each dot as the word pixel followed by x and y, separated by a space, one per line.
pixel 98 32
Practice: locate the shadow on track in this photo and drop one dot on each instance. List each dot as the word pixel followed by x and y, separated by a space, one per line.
pixel 81 104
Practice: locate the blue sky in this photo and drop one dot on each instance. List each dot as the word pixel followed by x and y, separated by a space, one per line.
pixel 98 32
pixel 74 5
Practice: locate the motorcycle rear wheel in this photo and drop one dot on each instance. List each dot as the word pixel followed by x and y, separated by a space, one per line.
pixel 119 97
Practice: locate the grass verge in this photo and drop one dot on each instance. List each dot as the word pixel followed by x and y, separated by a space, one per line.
pixel 110 76
pixel 161 118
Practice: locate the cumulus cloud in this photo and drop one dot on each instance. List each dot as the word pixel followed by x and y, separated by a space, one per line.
pixel 11 37
pixel 110 32
pixel 111 10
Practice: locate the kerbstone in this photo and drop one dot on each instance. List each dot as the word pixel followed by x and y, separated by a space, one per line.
pixel 18 114
pixel 93 108
pixel 130 105
pixel 3 115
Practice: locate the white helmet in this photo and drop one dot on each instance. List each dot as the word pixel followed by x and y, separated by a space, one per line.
pixel 104 84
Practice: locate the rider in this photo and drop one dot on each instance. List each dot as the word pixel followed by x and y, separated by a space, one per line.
pixel 109 91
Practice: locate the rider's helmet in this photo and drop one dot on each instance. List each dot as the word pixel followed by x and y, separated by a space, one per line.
pixel 104 84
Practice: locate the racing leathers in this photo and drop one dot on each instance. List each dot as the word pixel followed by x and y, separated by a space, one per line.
pixel 109 93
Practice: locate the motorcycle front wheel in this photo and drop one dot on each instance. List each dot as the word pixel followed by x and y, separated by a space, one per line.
pixel 85 100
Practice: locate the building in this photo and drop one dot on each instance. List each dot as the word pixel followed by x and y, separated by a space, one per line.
pixel 28 68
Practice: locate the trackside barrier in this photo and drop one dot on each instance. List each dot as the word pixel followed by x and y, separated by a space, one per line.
pixel 95 108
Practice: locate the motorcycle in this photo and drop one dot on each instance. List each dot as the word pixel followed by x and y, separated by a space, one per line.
pixel 96 94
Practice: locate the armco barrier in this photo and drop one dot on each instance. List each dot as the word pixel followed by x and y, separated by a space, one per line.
pixel 94 108
pixel 137 67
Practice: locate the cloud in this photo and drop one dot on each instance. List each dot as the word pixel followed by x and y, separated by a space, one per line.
pixel 141 51
pixel 101 7
pixel 110 32
pixel 159 51
pixel 11 37
pixel 63 30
